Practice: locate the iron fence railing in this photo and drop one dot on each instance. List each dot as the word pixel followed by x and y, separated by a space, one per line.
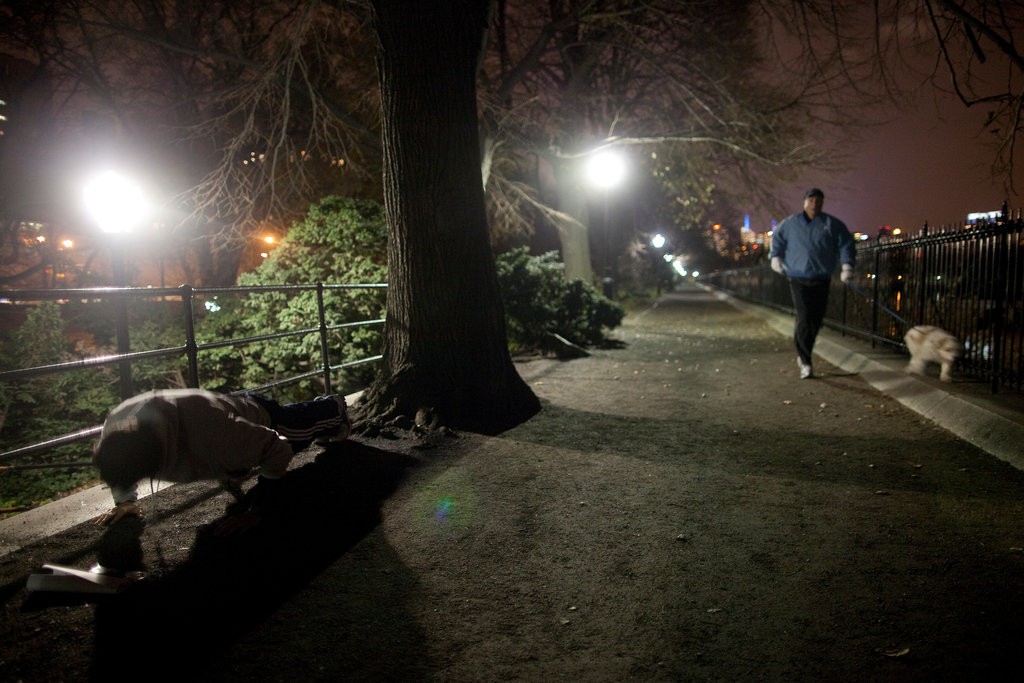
pixel 968 280
pixel 190 350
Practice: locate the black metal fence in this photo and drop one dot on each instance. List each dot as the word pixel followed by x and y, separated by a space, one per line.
pixel 967 279
pixel 189 298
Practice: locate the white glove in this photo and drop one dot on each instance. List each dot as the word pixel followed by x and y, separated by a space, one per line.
pixel 118 512
pixel 777 265
pixel 847 273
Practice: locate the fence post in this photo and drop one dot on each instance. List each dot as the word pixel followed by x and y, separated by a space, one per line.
pixel 845 305
pixel 924 284
pixel 191 347
pixel 1000 294
pixel 874 295
pixel 324 357
pixel 124 368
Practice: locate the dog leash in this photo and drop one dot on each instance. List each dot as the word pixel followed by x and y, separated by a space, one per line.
pixel 871 300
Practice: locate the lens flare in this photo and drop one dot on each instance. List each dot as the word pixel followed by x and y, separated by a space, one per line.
pixel 444 509
pixel 448 506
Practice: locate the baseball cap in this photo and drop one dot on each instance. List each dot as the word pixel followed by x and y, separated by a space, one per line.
pixel 814 192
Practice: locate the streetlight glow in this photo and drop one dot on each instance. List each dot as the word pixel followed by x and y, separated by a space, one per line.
pixel 605 169
pixel 115 203
pixel 658 241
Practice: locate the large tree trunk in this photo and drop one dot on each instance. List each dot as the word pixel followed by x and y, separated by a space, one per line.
pixel 445 348
pixel 573 233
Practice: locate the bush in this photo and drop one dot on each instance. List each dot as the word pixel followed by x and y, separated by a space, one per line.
pixel 339 241
pixel 540 300
pixel 36 409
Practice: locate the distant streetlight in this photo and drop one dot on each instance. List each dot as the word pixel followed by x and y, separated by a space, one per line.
pixel 661 271
pixel 118 205
pixel 679 266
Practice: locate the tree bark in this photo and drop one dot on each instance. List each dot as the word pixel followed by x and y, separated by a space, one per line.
pixel 573 236
pixel 446 356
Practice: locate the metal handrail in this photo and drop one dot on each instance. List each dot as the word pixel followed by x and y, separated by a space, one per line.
pixel 189 350
pixel 97 361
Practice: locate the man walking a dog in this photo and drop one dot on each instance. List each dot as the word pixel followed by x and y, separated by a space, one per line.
pixel 806 248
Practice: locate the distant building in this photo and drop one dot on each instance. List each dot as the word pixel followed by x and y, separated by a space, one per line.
pixel 983 217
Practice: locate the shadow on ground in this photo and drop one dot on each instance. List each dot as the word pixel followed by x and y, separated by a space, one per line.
pixel 184 619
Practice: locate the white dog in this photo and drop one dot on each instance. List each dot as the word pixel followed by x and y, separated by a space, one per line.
pixel 930 344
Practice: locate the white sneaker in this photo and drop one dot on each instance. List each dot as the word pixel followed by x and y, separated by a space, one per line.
pixel 806 371
pixel 339 436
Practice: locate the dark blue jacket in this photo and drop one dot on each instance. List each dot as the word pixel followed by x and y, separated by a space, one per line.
pixel 812 249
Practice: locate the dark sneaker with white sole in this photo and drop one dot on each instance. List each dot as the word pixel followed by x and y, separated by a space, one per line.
pixel 344 430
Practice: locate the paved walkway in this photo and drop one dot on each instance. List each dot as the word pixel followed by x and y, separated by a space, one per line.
pixel 969 409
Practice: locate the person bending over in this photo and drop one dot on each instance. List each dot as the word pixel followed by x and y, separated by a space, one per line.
pixel 184 435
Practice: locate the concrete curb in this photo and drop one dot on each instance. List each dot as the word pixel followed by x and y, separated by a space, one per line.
pixel 977 424
pixel 52 518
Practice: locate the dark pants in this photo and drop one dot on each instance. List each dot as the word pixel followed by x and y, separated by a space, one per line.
pixel 300 423
pixel 810 299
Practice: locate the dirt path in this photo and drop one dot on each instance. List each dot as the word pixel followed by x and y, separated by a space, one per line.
pixel 683 508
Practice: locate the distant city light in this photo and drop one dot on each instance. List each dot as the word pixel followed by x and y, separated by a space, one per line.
pixel 984 216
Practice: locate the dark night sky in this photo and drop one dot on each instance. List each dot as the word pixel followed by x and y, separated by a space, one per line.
pixel 926 165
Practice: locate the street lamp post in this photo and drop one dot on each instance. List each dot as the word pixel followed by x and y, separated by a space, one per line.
pixel 117 205
pixel 606 170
